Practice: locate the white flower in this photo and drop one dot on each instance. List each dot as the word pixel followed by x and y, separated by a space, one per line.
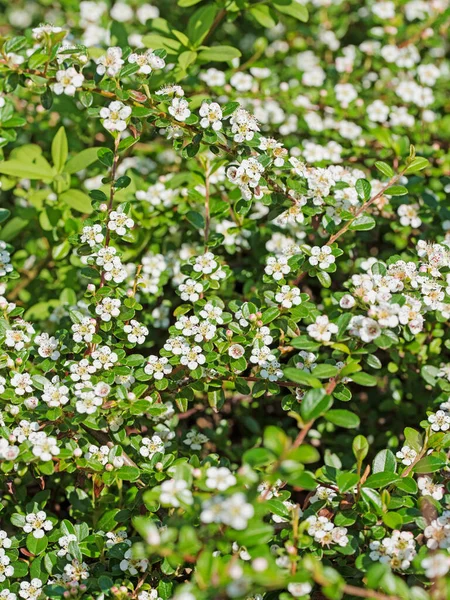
pixel 192 357
pixel 322 329
pixel 115 116
pixel 47 346
pixel 211 114
pixel 378 111
pixel 145 13
pixel 55 394
pixel 428 488
pixel 111 62
pixel 64 542
pixel 16 339
pixel 408 215
pixel 147 62
pixel 242 82
pixel 288 296
pixel 67 82
pixel 31 590
pixel 121 12
pixel 277 267
pixel 119 222
pixel 82 370
pixel 219 478
pixel 76 571
pixel 436 565
pixel 43 30
pixel 179 109
pixel 190 290
pixel 104 358
pixel 117 537
pixel 347 301
pixel 174 491
pixel 92 234
pixel 37 524
pixel 84 331
pixel 440 421
pixel 299 589
pixel 150 446
pixel 307 362
pixel 323 493
pixel 236 351
pixel 158 366
pixel 236 511
pixel 6 570
pixel 22 383
pixel 407 455
pixel 108 308
pixel 136 332
pixel 205 263
pixel 5 542
pixel 133 565
pixel 384 10
pixel 213 77
pixel 271 370
pixel 43 446
pixel 321 257
pixel 243 126
pixel 195 440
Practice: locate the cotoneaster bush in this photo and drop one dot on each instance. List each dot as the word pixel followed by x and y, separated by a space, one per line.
pixel 225 294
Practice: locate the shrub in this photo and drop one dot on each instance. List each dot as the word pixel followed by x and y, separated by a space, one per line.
pixel 224 355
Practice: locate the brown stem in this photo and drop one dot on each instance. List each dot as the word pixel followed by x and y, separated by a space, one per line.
pixel 302 434
pixel 360 210
pixel 366 593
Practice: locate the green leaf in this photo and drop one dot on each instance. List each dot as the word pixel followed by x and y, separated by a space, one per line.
pixel 384 168
pixel 200 23
pixel 396 190
pixel 60 149
pixel 219 54
pixel 342 418
pixel 324 278
pixel 393 520
pixel 77 200
pixel 360 447
pixel 301 377
pixel 186 59
pixel 314 404
pixel 82 160
pixel 40 170
pixel 275 440
pixel 292 9
pixel 187 3
pixel 407 484
pixel 364 379
pixel 36 545
pixel 378 480
pixel 363 223
pixel 262 15
pixel 4 214
pixel 430 464
pixel 417 164
pixel 196 219
pixel 304 454
pixel 384 461
pixel 325 371
pixel 347 481
pixel 363 189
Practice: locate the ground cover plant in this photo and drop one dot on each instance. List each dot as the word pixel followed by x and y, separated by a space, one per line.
pixel 224 300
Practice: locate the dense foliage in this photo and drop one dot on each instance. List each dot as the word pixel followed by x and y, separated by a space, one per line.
pixel 224 298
